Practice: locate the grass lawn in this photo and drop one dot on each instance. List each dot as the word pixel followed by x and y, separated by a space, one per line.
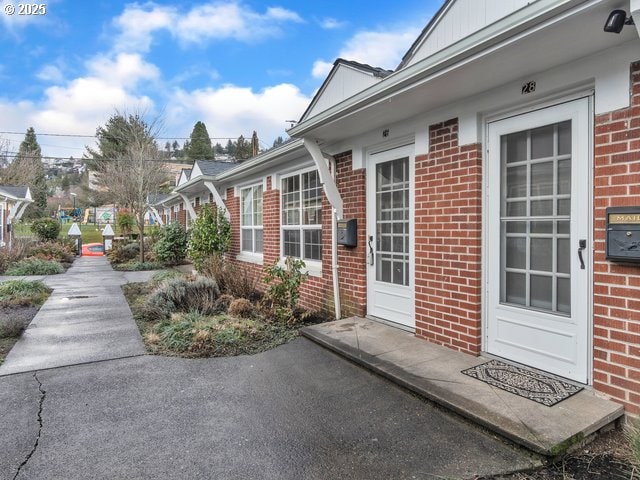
pixel 90 233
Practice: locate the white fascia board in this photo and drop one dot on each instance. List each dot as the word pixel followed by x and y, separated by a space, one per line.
pixel 192 182
pixel 485 40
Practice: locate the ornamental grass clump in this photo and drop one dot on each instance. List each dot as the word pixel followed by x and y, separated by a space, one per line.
pixel 35 266
pixel 183 295
pixel 23 292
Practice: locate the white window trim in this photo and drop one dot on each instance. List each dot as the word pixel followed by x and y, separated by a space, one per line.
pixel 253 256
pixel 314 267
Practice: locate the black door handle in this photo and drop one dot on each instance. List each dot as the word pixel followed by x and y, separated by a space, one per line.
pixel 371 254
pixel 582 244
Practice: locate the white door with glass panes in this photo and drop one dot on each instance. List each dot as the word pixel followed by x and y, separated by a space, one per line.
pixel 389 236
pixel 538 232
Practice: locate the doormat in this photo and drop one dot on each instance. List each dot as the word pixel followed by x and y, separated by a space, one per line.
pixel 524 382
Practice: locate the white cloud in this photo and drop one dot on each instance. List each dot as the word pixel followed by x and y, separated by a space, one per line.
pixel 50 73
pixel 321 68
pixel 378 49
pixel 331 23
pixel 209 21
pixel 231 110
pixel 138 23
pixel 126 69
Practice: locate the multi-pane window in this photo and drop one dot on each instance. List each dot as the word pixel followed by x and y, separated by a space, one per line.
pixel 251 219
pixel 301 216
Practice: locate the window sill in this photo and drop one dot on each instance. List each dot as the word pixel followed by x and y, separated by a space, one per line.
pixel 313 267
pixel 250 258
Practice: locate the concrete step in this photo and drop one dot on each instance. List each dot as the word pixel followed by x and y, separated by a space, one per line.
pixel 434 372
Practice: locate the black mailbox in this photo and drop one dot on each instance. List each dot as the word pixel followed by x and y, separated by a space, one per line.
pixel 348 232
pixel 623 234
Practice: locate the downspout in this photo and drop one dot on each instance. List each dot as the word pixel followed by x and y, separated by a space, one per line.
pixel 327 178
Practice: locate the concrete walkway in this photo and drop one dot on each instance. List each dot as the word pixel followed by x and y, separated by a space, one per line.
pixel 89 404
pixel 86 319
pixel 434 372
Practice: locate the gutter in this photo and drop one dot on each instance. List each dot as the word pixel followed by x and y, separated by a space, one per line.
pixel 470 48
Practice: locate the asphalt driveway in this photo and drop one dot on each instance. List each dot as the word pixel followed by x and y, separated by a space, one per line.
pixel 296 412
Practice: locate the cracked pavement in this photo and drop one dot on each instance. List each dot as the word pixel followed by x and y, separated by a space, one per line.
pixel 294 412
pixel 92 405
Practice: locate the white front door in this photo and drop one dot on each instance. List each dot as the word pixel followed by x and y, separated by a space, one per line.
pixel 538 237
pixel 389 236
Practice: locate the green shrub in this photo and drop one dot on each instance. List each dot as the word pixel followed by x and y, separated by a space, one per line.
pixel 210 234
pixel 45 229
pixel 171 245
pixel 183 295
pixel 126 221
pixel 53 250
pixel 23 292
pixel 283 290
pixel 232 279
pixel 35 266
pixel 137 266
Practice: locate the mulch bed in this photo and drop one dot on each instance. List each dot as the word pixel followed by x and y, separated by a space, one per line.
pixel 606 458
pixel 21 314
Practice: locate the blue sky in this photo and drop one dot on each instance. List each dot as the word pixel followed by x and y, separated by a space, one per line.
pixel 238 66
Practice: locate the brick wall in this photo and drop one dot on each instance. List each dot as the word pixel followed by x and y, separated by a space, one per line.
pixel 316 293
pixel 352 273
pixel 616 290
pixel 447 241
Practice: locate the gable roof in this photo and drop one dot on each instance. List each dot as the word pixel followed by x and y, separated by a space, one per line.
pixel 212 168
pixel 15 193
pixel 345 79
pixel 157 198
pixel 456 20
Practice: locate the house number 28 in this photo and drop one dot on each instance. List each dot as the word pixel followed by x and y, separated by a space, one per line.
pixel 528 87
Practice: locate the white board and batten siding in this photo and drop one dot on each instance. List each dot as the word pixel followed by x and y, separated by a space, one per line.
pixel 345 82
pixel 461 19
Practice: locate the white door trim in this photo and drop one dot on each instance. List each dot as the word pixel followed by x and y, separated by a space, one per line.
pixel 586 164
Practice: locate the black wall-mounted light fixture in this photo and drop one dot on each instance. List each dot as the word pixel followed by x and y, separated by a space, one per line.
pixel 616 21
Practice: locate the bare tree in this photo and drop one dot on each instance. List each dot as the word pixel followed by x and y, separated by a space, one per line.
pixel 135 170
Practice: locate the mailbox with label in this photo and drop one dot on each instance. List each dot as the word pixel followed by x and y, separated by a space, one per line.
pixel 348 232
pixel 623 234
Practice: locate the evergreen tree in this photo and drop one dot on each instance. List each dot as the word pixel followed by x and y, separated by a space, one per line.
pixel 277 142
pixel 27 170
pixel 243 149
pixel 230 148
pixel 199 147
pixel 218 149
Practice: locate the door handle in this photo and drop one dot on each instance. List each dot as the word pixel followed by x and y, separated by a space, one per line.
pixel 582 244
pixel 371 254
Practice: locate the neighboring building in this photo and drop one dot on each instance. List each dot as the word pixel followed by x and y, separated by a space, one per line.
pixel 478 174
pixel 13 202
